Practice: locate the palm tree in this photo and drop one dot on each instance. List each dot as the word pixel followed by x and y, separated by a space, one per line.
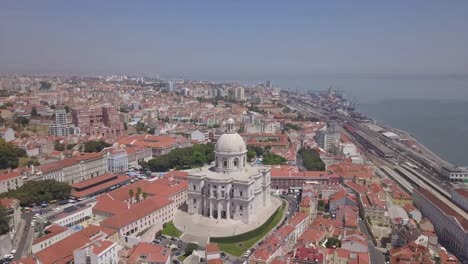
pixel 138 194
pixel 131 193
pixel 144 195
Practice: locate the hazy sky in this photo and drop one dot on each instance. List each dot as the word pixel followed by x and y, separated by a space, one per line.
pixel 234 38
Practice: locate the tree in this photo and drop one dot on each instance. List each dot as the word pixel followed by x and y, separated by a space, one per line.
pixel 144 195
pixel 4 220
pixel 8 155
pixel 198 159
pixel 34 112
pixel 37 192
pixel 183 158
pixel 273 159
pixel 138 194
pixel 58 146
pixel 33 161
pixel 311 160
pixel 20 152
pixel 190 248
pixel 131 193
pixel 21 120
pixel 333 242
pixel 67 109
pixel 251 155
pixel 95 146
pixel 70 146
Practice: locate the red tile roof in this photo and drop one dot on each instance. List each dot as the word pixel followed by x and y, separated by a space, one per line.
pixel 51 231
pixel 148 253
pixel 9 202
pixel 462 191
pixel 108 205
pixel 62 251
pixel 97 179
pixel 212 248
pixel 120 179
pixel 136 212
pixel 298 218
pixel 444 207
pixel 10 175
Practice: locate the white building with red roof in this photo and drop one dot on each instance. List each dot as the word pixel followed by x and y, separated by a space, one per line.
pixel 97 252
pixel 11 180
pixel 144 253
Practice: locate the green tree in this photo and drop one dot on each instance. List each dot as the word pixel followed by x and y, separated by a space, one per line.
pixel 58 146
pixel 311 160
pixel 20 152
pixel 67 109
pixel 198 159
pixel 36 192
pixel 21 120
pixel 333 242
pixel 190 248
pixel 131 193
pixel 4 220
pixel 144 195
pixel 95 146
pixel 273 159
pixel 33 161
pixel 8 155
pixel 34 112
pixel 70 146
pixel 251 155
pixel 138 194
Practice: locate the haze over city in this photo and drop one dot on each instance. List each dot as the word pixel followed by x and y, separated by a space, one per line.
pixel 232 40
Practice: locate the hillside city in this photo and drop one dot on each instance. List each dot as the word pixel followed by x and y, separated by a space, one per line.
pixel 131 169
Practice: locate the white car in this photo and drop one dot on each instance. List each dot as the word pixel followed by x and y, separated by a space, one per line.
pixel 13 252
pixel 247 254
pixel 8 256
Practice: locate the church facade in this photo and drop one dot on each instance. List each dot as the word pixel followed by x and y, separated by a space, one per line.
pixel 232 188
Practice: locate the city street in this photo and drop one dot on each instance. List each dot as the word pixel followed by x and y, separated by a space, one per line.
pixel 27 236
pixel 376 255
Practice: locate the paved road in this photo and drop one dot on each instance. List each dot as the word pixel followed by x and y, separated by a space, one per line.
pixel 292 205
pixel 26 239
pixel 376 256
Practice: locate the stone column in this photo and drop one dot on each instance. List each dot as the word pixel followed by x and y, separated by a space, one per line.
pixel 228 209
pixel 211 208
pixel 219 210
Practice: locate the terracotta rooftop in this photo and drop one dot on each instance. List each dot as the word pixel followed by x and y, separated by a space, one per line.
pixel 211 248
pixel 462 191
pixel 148 253
pixel 446 209
pixel 51 231
pixel 136 212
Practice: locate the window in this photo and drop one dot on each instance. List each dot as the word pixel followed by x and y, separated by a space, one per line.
pixel 236 162
pixel 240 193
pixel 225 163
pixel 194 187
pixel 240 208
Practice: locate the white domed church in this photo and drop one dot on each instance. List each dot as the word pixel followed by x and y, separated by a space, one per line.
pixel 232 188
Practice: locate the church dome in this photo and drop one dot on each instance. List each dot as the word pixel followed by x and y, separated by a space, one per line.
pixel 231 143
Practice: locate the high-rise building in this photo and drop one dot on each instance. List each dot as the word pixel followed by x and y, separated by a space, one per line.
pixel 240 94
pixel 98 121
pixel 60 128
pixel 268 84
pixel 327 139
pixel 170 86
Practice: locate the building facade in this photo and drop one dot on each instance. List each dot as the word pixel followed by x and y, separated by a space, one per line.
pixel 232 189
